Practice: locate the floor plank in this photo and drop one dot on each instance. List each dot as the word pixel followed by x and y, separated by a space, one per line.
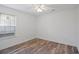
pixel 40 46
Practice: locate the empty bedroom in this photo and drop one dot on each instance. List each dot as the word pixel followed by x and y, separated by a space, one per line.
pixel 39 29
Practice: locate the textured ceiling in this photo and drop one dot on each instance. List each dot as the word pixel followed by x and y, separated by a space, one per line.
pixel 28 8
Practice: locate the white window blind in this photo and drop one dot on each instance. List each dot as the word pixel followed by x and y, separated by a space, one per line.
pixel 7 23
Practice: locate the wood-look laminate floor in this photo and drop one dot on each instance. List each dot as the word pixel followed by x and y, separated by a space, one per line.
pixel 40 46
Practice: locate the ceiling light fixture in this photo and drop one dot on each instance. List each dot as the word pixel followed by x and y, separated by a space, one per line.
pixel 41 8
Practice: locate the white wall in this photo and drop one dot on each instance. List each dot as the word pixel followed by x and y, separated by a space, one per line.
pixel 25 28
pixel 58 27
pixel 78 28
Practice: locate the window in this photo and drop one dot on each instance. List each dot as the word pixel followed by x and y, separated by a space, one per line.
pixel 7 24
